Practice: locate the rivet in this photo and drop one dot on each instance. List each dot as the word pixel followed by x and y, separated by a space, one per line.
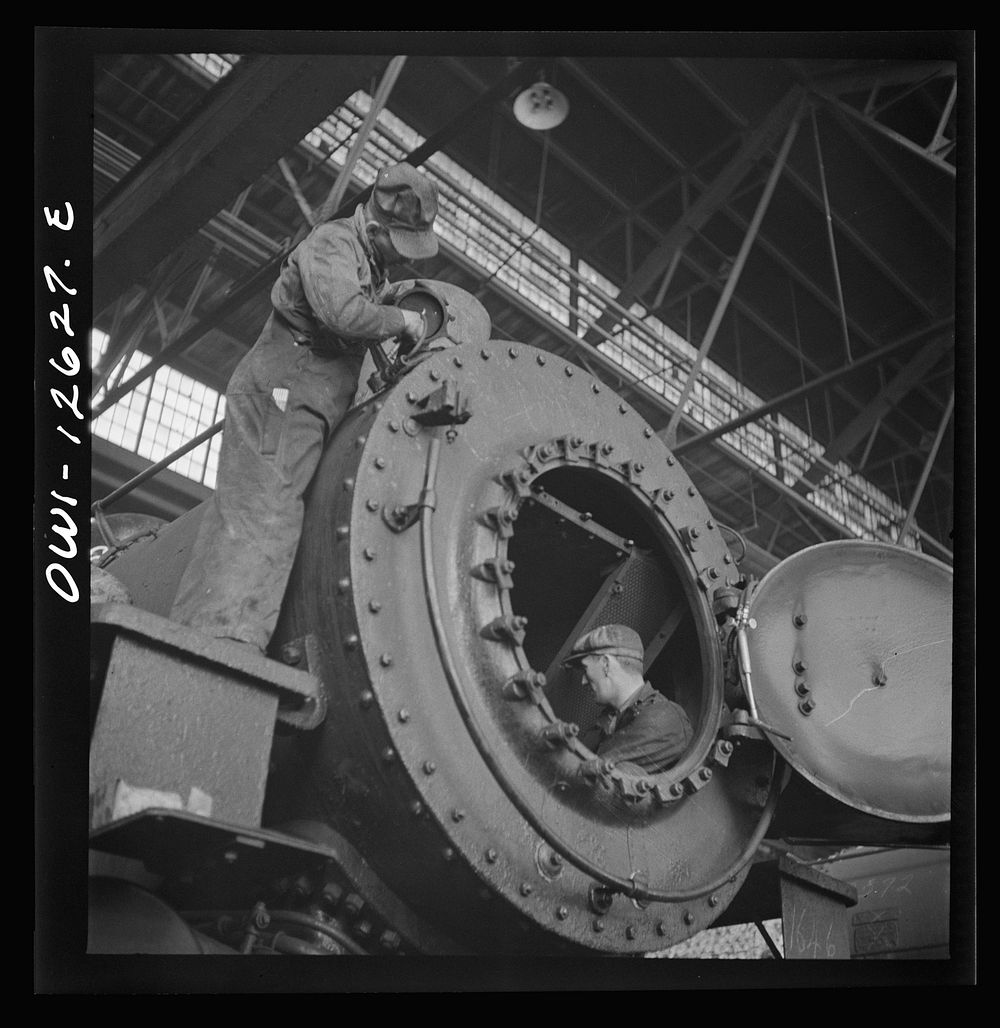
pixel 351 642
pixel 598 924
pixel 526 889
pixel 374 606
pixel 369 553
pixel 347 484
pixel 360 441
pixel 343 531
pixel 448 853
pixel 692 491
pixel 799 620
pixel 411 397
pixel 491 855
pixel 513 352
pixel 595 388
pixel 727 559
pixel 562 913
pixel 710 523
pixel 372 505
pixel 713 900
pixel 694 533
pixel 540 359
pixel 385 660
pixel 485 354
pixel 416 808
pixel 569 371
pixel 434 375
pixel 671 460
pixel 607 448
pixel 661 928
pixel 622 409
pixel 457 815
pixel 367 698
pixel 458 362
pixel 388 754
pixel 343 585
pixel 688 917
pixel 429 767
pixel 380 462
pixel 403 715
pixel 648 433
pixel 630 932
pixel 393 426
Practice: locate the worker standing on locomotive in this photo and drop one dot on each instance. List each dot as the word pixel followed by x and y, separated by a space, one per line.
pixel 289 394
pixel 640 730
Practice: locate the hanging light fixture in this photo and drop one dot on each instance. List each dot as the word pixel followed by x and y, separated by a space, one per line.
pixel 541 106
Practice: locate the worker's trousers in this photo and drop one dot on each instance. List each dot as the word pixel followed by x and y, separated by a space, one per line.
pixel 282 404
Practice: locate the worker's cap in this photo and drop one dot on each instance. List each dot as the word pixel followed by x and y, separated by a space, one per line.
pixel 405 202
pixel 613 640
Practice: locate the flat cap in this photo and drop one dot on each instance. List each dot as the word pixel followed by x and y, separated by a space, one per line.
pixel 405 202
pixel 614 640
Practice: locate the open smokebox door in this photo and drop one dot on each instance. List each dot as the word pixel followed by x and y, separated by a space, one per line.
pixel 585 558
pixel 852 659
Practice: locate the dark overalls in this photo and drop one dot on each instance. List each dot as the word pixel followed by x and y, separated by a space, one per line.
pixel 285 398
pixel 650 734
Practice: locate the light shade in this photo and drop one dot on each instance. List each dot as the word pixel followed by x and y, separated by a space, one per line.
pixel 541 106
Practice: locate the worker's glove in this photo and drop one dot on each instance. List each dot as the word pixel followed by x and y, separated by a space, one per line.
pixel 413 332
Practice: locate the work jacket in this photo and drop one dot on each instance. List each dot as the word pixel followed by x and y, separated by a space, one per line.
pixel 331 289
pixel 648 734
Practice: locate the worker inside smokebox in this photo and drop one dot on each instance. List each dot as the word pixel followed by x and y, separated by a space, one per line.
pixel 288 395
pixel 639 729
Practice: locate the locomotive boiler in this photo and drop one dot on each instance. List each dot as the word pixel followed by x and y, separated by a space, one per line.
pixel 406 774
